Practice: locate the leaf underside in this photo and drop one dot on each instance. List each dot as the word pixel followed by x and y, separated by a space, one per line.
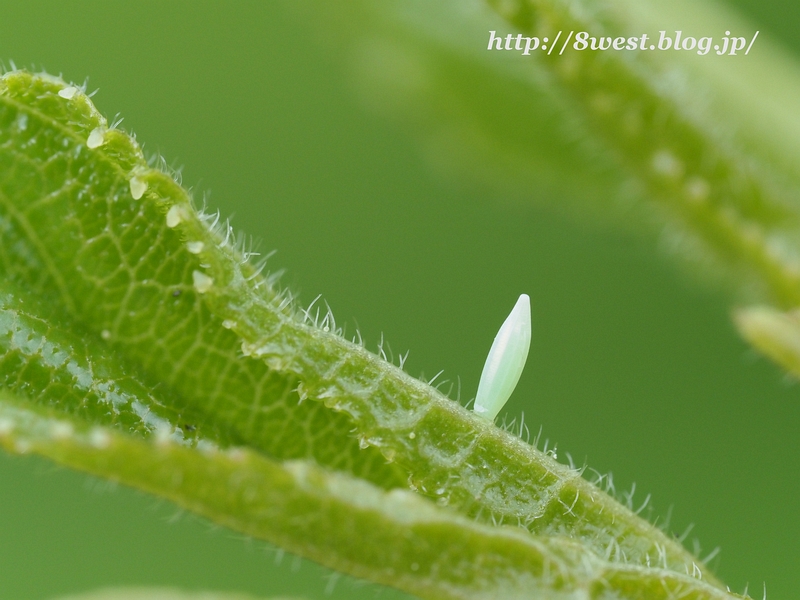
pixel 140 342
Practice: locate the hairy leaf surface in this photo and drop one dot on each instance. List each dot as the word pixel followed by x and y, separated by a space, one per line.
pixel 141 343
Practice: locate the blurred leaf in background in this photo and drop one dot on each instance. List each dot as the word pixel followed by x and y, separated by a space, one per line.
pixel 304 124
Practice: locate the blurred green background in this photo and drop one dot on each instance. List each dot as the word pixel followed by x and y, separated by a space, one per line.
pixel 634 364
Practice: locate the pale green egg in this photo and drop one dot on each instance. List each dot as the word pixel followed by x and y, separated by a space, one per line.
pixel 506 360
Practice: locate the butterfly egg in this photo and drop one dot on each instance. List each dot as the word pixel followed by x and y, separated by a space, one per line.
pixel 506 360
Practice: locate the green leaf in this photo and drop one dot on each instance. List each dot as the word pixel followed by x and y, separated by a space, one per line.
pixel 393 537
pixel 141 343
pixel 159 594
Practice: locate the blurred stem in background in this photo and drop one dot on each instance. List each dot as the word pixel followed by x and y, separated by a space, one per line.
pixel 689 141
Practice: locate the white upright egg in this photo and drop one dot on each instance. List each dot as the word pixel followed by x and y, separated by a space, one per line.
pixel 506 360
